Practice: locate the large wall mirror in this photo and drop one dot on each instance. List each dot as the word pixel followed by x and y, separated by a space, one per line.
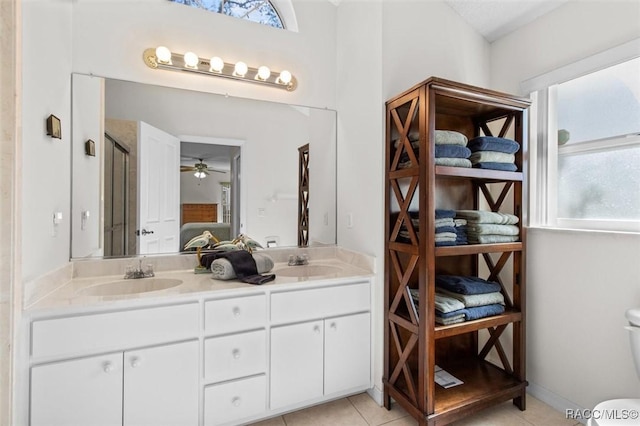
pixel 171 162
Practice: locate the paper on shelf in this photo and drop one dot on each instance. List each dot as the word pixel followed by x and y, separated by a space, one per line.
pixel 445 379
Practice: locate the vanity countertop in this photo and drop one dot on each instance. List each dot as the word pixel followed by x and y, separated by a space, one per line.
pixel 70 295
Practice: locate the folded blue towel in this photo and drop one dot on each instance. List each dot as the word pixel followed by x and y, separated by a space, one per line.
pixel 442 213
pixel 507 167
pixel 446 243
pixel 478 312
pixel 466 285
pixel 452 151
pixel 473 313
pixel 441 229
pixel 492 143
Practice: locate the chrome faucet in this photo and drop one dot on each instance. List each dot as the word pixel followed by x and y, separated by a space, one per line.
pixel 298 259
pixel 131 272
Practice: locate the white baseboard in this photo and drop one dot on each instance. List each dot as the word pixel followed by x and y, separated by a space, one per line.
pixel 554 400
pixel 376 394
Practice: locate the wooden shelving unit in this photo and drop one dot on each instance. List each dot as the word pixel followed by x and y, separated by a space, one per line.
pixel 472 351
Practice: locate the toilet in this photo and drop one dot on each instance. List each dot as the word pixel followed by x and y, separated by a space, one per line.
pixel 622 412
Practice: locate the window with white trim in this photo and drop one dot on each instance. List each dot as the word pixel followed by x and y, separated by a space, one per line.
pixel 260 11
pixel 587 164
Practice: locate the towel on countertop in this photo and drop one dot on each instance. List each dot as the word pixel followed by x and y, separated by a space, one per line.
pixel 473 300
pixel 492 143
pixel 466 284
pixel 504 167
pixel 492 239
pixel 492 157
pixel 452 151
pixel 482 216
pixel 223 270
pixel 445 304
pixel 491 228
pixel 243 265
pixel 450 137
pixel 453 162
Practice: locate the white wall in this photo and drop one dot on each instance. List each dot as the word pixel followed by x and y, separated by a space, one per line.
pixel 579 284
pixel 384 48
pixel 46 161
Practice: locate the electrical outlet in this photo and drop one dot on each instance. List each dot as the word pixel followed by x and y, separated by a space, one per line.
pixel 349 220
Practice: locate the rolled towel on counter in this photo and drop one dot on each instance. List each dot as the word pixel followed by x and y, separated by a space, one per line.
pixel 223 270
pixel 450 137
pixel 492 143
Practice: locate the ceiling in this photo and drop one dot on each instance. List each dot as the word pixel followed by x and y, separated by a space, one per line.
pixel 216 156
pixel 496 18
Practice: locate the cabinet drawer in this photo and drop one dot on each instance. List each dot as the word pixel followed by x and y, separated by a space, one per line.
pixel 134 328
pixel 236 400
pixel 320 302
pixel 234 356
pixel 236 314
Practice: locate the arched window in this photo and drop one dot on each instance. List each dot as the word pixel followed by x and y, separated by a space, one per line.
pixel 260 11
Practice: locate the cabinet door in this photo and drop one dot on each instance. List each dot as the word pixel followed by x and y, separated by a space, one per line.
pixel 81 392
pixel 296 363
pixel 347 362
pixel 161 385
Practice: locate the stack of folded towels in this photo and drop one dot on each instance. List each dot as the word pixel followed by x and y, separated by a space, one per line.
pixel 484 227
pixel 460 298
pixel 445 231
pixel 451 149
pixel 489 152
pixel 461 231
pixel 403 234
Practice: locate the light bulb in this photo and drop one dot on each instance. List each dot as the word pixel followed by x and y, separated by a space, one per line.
pixel 216 64
pixel 240 69
pixel 285 77
pixel 163 55
pixel 191 60
pixel 263 73
pixel 199 174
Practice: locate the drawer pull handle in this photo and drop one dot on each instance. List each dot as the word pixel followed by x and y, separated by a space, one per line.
pixel 316 329
pixel 236 353
pixel 236 312
pixel 334 326
pixel 109 367
pixel 135 362
pixel 236 401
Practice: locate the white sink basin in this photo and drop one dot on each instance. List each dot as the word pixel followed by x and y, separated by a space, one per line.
pixel 307 271
pixel 134 286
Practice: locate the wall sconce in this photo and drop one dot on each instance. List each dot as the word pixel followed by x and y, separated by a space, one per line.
pixel 163 58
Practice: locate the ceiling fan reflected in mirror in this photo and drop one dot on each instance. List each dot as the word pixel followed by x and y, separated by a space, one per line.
pixel 201 169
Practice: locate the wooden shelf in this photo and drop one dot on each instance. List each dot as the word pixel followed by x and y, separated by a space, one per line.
pixel 442 331
pixel 414 345
pixel 462 250
pixel 484 384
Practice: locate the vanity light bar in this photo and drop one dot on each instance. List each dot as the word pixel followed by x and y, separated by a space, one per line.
pixel 163 58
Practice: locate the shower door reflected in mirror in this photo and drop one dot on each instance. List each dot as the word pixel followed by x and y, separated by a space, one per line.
pixel 116 190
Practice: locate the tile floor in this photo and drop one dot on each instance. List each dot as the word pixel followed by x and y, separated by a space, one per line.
pixel 361 410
